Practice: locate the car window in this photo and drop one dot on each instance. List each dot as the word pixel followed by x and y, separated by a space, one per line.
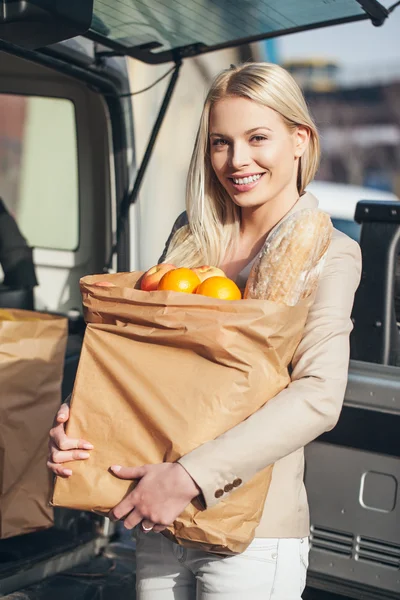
pixel 39 169
pixel 154 28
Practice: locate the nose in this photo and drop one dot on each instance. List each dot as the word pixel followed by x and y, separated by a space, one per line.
pixel 239 156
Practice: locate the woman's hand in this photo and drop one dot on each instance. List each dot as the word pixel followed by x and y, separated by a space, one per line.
pixel 63 448
pixel 162 494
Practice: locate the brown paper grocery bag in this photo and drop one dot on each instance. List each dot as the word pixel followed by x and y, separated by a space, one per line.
pixel 32 349
pixel 160 374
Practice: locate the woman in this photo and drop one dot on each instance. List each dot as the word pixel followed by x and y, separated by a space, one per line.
pixel 256 151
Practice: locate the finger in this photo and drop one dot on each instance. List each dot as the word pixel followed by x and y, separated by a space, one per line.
pixel 129 472
pixel 147 526
pixel 62 456
pixel 104 284
pixel 58 432
pixel 133 519
pixel 63 442
pixel 63 413
pixel 122 510
pixel 158 528
pixel 59 470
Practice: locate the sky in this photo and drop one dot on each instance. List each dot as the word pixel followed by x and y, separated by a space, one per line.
pixel 352 44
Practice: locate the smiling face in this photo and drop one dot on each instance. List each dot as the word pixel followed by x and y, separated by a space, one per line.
pixel 254 154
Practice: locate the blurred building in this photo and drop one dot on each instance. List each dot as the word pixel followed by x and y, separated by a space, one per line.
pixel 317 74
pixel 12 121
pixel 360 134
pixel 357 111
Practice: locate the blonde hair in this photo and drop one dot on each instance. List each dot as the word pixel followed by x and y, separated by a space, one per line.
pixel 214 219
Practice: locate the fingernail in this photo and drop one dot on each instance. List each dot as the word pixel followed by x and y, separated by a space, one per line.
pixel 116 468
pixel 61 416
pixel 67 472
pixel 84 455
pixel 88 446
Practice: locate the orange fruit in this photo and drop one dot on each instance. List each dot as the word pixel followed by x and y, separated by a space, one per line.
pixel 219 287
pixel 179 280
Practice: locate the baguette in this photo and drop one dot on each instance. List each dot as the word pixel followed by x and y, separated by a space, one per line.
pixel 289 265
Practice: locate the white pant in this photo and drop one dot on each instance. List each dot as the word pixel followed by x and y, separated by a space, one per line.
pixel 270 569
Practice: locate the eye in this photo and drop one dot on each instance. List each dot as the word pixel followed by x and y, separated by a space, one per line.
pixel 258 138
pixel 219 142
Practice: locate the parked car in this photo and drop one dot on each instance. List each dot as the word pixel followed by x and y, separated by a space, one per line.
pixel 340 200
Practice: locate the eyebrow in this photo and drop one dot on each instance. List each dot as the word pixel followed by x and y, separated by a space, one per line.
pixel 246 132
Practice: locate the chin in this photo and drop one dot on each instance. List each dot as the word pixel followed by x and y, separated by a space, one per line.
pixel 250 200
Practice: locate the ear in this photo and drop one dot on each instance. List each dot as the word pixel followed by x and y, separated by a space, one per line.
pixel 301 139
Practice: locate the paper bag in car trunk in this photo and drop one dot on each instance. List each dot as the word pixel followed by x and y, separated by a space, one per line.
pixel 160 374
pixel 32 349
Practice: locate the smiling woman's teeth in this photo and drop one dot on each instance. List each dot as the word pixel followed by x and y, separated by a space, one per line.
pixel 246 179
